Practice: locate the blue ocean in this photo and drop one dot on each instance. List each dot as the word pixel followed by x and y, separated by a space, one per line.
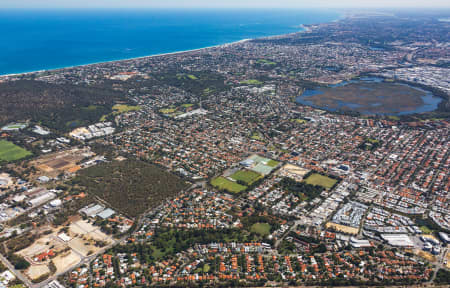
pixel 47 39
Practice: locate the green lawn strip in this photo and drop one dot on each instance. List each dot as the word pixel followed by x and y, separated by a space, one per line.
pixel 90 108
pixel 192 77
pixel 18 286
pixel 265 61
pixel 299 121
pixel 252 82
pixel 15 126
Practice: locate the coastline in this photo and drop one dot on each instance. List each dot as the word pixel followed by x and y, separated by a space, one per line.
pixel 302 28
pixel 128 59
pixel 331 15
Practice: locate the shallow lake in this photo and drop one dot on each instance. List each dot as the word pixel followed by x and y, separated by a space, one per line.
pixel 371 95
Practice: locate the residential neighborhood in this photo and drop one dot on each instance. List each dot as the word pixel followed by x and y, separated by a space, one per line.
pixel 222 167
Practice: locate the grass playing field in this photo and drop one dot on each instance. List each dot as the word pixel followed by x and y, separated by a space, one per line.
pixel 265 61
pixel 246 176
pixel 122 108
pixel 252 82
pixel 324 181
pixel 230 186
pixel 15 126
pixel 168 110
pixel 119 109
pixel 10 151
pixel 256 136
pixel 192 77
pixel 273 163
pixel 425 230
pixel 300 121
pixel 262 229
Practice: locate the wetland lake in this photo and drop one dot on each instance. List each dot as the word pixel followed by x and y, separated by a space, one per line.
pixel 371 96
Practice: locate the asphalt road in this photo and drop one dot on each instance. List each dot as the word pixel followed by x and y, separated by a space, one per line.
pixel 18 274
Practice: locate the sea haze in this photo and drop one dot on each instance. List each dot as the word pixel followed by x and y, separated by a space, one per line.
pixel 40 39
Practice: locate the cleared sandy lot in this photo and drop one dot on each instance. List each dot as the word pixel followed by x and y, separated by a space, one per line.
pixel 342 228
pixel 430 257
pixel 99 235
pixel 86 234
pixel 293 171
pixel 83 237
pixel 82 246
pixel 65 261
pixel 41 245
pixel 86 230
pixel 55 163
pixel 36 271
pixel 82 227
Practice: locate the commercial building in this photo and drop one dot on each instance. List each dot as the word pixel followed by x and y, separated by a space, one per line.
pixel 41 199
pixel 398 240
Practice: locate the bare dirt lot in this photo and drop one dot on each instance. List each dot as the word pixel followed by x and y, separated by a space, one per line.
pixel 36 271
pixel 84 237
pixel 98 235
pixel 430 257
pixel 43 244
pixel 81 227
pixel 342 228
pixel 293 171
pixel 83 247
pixel 65 261
pixel 55 163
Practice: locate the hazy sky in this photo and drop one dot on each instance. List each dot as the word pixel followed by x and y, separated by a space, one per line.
pixel 223 3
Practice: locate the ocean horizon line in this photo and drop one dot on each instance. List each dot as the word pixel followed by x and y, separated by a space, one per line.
pixel 122 36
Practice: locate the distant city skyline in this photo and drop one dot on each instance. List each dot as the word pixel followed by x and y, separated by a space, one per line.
pixel 223 4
